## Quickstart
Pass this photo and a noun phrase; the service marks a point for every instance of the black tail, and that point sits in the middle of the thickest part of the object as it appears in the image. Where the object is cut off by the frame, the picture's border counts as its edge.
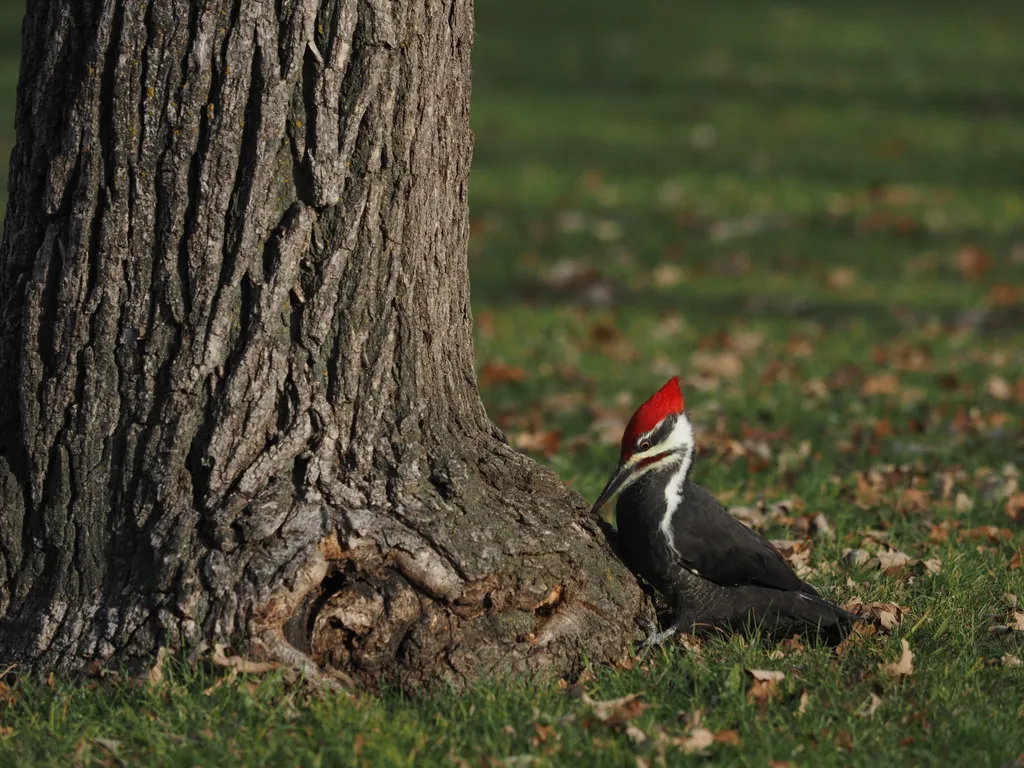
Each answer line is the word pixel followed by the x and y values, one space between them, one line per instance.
pixel 819 617
pixel 806 613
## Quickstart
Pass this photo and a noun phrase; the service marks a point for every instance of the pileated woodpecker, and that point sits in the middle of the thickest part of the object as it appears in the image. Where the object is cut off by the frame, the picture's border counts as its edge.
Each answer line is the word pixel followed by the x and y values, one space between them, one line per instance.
pixel 714 572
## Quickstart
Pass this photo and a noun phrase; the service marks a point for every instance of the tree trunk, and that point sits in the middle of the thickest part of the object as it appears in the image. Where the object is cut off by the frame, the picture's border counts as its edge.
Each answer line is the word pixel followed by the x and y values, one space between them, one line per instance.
pixel 237 394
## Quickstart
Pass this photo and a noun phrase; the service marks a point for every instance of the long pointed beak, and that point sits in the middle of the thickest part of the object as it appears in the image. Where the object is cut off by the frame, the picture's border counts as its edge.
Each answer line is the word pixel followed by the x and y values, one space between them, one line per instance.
pixel 614 484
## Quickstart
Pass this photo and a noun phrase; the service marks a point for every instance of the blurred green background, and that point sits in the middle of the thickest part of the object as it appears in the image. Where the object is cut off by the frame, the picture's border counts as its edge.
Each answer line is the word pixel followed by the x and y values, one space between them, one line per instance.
pixel 11 12
pixel 813 213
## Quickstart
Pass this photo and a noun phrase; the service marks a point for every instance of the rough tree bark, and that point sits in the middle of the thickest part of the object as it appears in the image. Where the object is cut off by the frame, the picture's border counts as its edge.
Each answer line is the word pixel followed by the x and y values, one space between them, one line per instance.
pixel 237 394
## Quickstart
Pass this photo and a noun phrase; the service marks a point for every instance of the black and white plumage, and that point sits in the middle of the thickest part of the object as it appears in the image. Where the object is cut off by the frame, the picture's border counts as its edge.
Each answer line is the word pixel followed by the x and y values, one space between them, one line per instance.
pixel 714 572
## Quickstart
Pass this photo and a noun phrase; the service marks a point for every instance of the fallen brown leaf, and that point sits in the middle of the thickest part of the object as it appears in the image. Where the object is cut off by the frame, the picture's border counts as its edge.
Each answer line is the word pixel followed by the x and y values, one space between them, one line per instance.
pixel 725 365
pixel 1004 295
pixel 728 737
pixel 913 500
pixel 972 262
pixel 765 684
pixel 856 557
pixel 542 732
pixel 881 384
pixel 902 668
pixel 992 533
pixel 545 442
pixel 764 675
pixel 668 275
pixel 844 740
pixel 155 674
pixel 1015 507
pixel 963 503
pixel 112 748
pixel 696 740
pixel 636 735
pixel 795 551
pixel 999 388
pixel 615 711
pixel 870 707
pixel 497 372
pixel 804 700
pixel 841 278
pixel 892 560
pixel 884 616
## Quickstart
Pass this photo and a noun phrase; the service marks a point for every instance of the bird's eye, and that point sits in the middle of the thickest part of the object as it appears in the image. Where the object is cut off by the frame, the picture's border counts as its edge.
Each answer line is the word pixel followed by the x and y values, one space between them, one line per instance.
pixel 644 445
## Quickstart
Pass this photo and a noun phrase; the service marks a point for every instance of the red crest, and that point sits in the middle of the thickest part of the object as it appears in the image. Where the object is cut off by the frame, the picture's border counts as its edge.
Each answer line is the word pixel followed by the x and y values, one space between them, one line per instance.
pixel 666 401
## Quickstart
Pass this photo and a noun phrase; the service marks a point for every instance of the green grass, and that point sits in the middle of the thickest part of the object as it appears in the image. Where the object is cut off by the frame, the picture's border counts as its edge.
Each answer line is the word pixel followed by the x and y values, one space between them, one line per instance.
pixel 711 166
pixel 10 37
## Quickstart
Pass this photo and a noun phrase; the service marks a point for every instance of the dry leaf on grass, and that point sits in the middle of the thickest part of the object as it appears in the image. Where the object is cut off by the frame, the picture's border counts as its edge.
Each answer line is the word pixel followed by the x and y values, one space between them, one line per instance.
pixel 1012 620
pixel 841 278
pixel 766 675
pixel 615 711
pixel 497 372
pixel 723 365
pixel 546 442
pixel 696 740
pixel 804 701
pixel 999 388
pixel 913 501
pixel 668 275
pixel 902 668
pixel 728 737
pixel 884 616
pixel 856 557
pixel 992 533
pixel 155 674
pixel 972 262
pixel 1015 507
pixel 112 748
pixel 892 560
pixel 881 384
pixel 636 735
pixel 795 551
pixel 870 706
pixel 765 684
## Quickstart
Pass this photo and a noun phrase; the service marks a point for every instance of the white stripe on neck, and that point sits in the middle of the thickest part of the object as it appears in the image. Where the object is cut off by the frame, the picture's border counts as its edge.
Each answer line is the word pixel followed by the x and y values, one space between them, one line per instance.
pixel 681 438
pixel 674 498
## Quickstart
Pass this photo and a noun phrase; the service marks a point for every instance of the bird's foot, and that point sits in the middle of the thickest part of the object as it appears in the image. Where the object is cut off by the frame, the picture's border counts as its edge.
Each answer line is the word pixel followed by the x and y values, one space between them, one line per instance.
pixel 654 637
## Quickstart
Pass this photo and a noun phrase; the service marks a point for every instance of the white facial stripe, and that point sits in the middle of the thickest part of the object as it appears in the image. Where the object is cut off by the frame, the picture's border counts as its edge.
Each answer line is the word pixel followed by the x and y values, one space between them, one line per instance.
pixel 680 442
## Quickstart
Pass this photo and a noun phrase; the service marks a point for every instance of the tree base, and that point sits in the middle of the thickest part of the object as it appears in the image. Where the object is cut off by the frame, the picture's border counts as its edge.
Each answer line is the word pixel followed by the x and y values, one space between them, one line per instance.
pixel 498 574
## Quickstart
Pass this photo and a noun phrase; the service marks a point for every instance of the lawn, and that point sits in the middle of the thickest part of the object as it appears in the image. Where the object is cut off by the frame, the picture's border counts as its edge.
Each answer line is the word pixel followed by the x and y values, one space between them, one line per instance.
pixel 812 213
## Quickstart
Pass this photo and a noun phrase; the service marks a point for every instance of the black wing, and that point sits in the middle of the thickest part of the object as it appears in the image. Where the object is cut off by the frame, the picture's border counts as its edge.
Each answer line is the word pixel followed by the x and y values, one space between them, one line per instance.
pixel 723 550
